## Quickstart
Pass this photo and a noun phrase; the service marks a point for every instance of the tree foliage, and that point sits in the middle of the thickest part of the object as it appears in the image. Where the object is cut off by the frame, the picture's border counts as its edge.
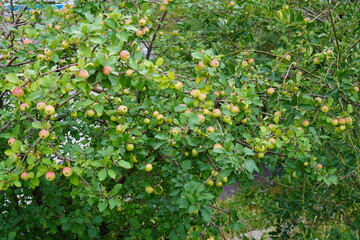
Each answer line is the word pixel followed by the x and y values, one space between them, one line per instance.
pixel 223 91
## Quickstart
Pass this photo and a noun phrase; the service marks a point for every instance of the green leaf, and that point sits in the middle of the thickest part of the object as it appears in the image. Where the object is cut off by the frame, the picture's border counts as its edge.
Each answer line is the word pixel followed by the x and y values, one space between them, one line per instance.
pixel 74 179
pixel 12 77
pixel 102 206
pixel 250 166
pixel 112 174
pixel 124 164
pixel 159 62
pixel 102 174
pixel 11 236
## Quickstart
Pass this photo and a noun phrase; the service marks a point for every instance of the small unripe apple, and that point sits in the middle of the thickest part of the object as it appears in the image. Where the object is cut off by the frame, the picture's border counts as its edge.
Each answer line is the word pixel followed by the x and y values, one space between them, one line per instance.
pixel 142 22
pixel 134 159
pixel 162 8
pixel 126 91
pixel 18 92
pixel 306 164
pixel 49 110
pixel 319 166
pixel 67 171
pixel 194 152
pixel 209 182
pixel 175 131
pixel 107 70
pixel 251 60
pixel 318 100
pixel 195 92
pixel 316 60
pixel 287 57
pixel 342 127
pixel 146 30
pixel 24 106
pixel 232 3
pixel 356 89
pixel 277 114
pixel 11 141
pixel 50 176
pixel 148 167
pixel 24 176
pixel 224 179
pixel 244 63
pixel 129 147
pixel 325 109
pixel 65 44
pixel 214 63
pixel 124 55
pixel 219 184
pixel 305 123
pixel 48 52
pixel 147 121
pixel 83 74
pixel 122 110
pixel 227 119
pixel 175 33
pixel 74 114
pixel 202 96
pixel 210 129
pixel 216 113
pixel 155 114
pixel 260 155
pixel 201 64
pixel 270 91
pixel 149 190
pixel 334 122
pixel 44 134
pixel 307 19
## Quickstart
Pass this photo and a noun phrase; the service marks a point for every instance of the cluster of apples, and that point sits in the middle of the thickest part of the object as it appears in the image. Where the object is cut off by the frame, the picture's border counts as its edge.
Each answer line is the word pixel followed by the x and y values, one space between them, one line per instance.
pixel 50 175
pixel 219 181
pixel 340 123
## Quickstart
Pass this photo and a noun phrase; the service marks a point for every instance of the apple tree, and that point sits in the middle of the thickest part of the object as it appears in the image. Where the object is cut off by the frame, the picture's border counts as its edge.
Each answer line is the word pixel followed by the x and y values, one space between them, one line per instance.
pixel 125 119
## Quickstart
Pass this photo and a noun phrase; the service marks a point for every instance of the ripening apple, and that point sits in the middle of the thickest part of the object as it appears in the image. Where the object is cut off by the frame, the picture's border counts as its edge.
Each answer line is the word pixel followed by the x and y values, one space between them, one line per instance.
pixel 160 119
pixel 325 109
pixel 356 89
pixel 305 123
pixel 67 171
pixel 202 96
pixel 307 19
pixel 206 111
pixel 178 85
pixel 348 120
pixel 11 141
pixel 124 55
pixel 342 121
pixel 251 60
pixel 195 93
pixel 122 110
pixel 43 134
pixel 40 106
pixel 120 129
pixel 126 91
pixel 214 63
pixel 277 114
pixel 209 182
pixel 142 22
pixel 27 41
pixel 175 33
pixel 232 3
pixel 334 122
pixel 49 110
pixel 244 63
pixel 201 118
pixel 210 129
pixel 227 119
pixel 318 100
pixel 24 106
pixel 287 57
pixel 216 113
pixel 139 33
pixel 155 114
pixel 50 175
pixel 319 166
pixel 148 167
pixel 235 109
pixel 146 30
pixel 218 145
pixel 90 113
pixel 48 52
pixel 24 176
pixel 149 190
pixel 18 92
pixel 83 74
pixel 201 64
pixel 129 147
pixel 270 91
pixel 306 164
pixel 316 60
pixel 175 131
pixel 107 70
pixel 129 72
pixel 162 8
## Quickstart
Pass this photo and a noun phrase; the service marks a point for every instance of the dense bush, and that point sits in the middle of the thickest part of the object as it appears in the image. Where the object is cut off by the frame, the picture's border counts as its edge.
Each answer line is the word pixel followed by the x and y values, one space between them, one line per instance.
pixel 100 140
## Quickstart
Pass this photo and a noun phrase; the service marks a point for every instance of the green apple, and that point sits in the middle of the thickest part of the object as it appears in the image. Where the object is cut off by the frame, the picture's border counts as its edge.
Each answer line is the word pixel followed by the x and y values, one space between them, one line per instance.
pixel 148 167
pixel 129 147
